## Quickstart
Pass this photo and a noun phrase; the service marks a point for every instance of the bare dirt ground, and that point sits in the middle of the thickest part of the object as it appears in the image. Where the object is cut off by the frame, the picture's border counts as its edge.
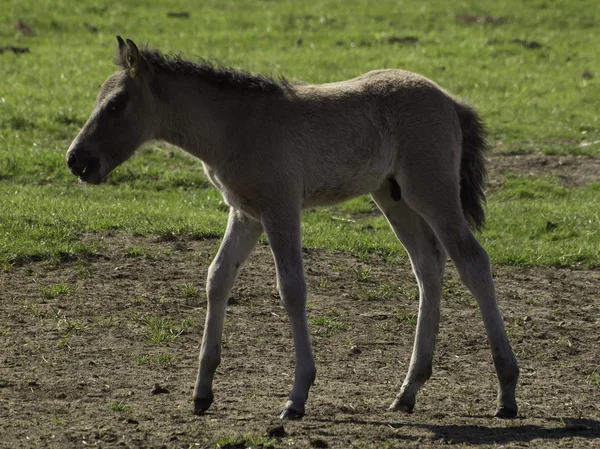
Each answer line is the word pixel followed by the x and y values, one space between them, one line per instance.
pixel 78 369
pixel 571 171
pixel 66 361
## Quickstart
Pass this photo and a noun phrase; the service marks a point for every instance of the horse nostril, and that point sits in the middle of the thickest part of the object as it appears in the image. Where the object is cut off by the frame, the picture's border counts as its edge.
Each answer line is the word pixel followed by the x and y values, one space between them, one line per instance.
pixel 71 159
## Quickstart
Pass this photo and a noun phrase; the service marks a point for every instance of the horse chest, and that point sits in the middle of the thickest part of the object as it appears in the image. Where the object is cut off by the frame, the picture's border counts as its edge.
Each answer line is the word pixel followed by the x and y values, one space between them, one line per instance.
pixel 232 194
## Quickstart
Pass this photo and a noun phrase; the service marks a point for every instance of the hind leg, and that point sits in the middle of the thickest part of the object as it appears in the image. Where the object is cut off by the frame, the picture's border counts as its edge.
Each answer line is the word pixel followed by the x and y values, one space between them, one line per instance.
pixel 439 203
pixel 428 260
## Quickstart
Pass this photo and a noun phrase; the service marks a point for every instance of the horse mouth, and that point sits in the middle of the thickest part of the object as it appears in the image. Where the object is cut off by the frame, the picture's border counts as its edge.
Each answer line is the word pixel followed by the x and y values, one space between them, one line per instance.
pixel 92 173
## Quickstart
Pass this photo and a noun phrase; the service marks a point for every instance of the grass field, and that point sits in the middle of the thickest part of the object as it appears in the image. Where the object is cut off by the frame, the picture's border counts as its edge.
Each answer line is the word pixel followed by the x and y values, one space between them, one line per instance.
pixel 534 99
pixel 532 69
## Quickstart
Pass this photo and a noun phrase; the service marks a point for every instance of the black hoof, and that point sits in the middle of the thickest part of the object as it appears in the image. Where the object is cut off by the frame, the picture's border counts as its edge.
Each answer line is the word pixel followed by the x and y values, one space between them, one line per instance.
pixel 505 412
pixel 201 405
pixel 291 414
pixel 399 406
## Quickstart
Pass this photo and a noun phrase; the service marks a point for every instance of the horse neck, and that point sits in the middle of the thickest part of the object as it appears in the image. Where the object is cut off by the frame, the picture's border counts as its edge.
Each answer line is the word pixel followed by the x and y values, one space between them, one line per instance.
pixel 197 116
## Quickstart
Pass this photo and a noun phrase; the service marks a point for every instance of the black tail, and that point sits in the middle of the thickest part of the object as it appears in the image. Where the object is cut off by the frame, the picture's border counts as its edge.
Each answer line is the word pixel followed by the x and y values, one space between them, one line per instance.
pixel 473 174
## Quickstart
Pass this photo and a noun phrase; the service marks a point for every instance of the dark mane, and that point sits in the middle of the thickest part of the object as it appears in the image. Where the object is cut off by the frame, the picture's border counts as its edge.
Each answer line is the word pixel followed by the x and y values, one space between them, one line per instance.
pixel 212 72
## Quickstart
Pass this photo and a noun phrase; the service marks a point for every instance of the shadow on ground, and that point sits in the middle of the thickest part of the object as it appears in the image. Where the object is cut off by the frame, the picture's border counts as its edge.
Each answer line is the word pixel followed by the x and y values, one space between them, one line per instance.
pixel 556 429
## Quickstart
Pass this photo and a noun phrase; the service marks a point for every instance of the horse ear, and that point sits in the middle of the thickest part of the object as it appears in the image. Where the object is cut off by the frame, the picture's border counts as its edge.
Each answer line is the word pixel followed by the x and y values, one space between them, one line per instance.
pixel 122 45
pixel 133 60
pixel 121 57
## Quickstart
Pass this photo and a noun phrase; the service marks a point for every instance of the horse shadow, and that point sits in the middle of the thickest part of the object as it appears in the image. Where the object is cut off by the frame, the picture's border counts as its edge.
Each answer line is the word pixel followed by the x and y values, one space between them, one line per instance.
pixel 485 435
pixel 481 434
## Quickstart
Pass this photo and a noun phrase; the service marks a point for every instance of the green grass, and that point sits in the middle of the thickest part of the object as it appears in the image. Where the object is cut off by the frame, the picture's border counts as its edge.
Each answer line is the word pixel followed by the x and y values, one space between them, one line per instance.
pixel 54 290
pixel 154 360
pixel 136 251
pixel 363 275
pixel 119 407
pixel 382 292
pixel 327 325
pixel 530 222
pixel 533 99
pixel 538 222
pixel 34 309
pixel 527 101
pixel 406 317
pixel 71 326
pixel 189 290
pixel 57 421
pixel 165 330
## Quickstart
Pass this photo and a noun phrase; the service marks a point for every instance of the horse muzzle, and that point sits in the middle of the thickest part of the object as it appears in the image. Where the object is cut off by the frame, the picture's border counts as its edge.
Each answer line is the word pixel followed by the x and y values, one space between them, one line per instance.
pixel 83 164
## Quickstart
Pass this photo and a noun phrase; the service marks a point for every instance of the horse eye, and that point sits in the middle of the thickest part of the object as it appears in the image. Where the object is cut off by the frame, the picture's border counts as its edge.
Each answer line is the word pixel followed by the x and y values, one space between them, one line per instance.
pixel 115 106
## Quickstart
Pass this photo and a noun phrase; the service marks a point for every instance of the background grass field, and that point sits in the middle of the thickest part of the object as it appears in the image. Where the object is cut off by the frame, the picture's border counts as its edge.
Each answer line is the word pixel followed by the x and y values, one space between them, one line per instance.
pixel 532 69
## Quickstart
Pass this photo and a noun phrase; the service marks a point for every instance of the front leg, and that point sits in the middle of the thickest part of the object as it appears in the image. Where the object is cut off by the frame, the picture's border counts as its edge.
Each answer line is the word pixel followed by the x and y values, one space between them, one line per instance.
pixel 240 239
pixel 283 230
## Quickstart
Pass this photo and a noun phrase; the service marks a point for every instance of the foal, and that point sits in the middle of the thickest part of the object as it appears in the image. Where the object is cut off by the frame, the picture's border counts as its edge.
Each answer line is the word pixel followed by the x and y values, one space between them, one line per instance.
pixel 273 148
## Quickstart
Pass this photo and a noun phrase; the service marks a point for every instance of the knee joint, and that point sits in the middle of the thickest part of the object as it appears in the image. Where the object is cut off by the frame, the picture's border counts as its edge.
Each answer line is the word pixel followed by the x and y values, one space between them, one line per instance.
pixel 217 283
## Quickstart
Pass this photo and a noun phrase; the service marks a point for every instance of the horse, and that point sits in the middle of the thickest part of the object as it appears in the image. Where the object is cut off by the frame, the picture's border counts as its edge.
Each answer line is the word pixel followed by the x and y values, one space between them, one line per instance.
pixel 273 147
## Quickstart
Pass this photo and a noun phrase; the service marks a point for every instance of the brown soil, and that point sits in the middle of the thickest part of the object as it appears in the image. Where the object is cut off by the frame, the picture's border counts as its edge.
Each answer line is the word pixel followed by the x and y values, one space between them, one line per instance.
pixel 571 171
pixel 66 359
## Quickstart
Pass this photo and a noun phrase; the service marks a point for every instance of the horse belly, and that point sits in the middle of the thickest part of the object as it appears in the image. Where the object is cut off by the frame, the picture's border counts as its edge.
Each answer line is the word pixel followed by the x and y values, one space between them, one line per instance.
pixel 359 172
pixel 337 189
